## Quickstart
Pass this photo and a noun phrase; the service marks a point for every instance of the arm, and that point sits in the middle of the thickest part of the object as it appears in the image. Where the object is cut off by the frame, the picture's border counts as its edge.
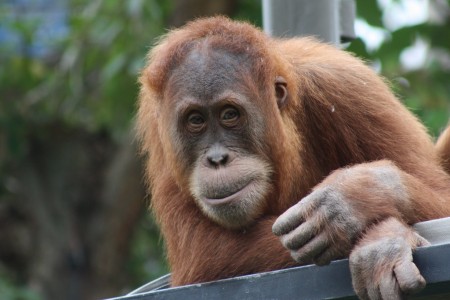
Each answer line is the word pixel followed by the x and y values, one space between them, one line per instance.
pixel 327 223
pixel 443 149
pixel 368 205
pixel 350 117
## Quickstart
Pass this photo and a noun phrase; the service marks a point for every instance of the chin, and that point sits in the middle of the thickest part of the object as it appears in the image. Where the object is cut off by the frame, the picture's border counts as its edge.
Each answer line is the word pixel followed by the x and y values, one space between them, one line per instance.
pixel 233 196
pixel 238 209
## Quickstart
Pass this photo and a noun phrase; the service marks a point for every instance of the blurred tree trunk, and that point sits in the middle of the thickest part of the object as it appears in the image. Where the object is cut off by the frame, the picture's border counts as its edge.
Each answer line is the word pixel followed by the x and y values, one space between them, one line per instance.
pixel 77 199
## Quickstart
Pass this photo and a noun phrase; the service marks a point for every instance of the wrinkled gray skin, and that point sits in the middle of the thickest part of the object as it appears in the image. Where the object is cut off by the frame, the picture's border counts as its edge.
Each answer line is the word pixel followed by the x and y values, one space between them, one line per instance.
pixel 382 268
pixel 326 225
pixel 310 228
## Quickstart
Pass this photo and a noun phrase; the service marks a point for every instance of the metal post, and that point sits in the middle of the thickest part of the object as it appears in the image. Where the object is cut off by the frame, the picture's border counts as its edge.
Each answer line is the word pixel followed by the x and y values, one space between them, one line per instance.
pixel 329 20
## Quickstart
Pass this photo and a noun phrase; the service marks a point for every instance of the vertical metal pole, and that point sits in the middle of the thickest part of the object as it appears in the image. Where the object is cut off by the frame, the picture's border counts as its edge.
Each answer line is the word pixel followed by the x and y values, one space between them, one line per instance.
pixel 328 20
pixel 347 16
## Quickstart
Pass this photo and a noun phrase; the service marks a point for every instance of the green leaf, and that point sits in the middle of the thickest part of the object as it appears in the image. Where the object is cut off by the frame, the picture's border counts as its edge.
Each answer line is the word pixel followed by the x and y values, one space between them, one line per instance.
pixel 370 11
pixel 358 47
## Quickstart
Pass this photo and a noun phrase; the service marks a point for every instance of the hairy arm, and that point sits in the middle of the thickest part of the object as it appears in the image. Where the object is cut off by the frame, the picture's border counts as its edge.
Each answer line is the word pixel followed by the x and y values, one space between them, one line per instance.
pixel 328 222
pixel 367 205
pixel 351 118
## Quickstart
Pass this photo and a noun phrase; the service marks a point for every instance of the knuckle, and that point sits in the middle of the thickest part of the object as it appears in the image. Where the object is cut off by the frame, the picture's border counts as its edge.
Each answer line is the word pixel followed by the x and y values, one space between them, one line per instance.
pixel 358 256
pixel 298 256
pixel 316 199
pixel 355 258
pixel 322 261
pixel 288 242
pixel 292 240
pixel 301 257
pixel 413 286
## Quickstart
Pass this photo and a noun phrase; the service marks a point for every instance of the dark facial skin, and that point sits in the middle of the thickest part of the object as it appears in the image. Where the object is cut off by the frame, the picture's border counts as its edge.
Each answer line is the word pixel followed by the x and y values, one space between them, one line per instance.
pixel 220 133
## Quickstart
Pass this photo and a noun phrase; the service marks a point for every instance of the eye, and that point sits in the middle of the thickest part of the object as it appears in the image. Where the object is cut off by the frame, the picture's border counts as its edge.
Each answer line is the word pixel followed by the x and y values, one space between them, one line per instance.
pixel 229 116
pixel 195 122
pixel 196 119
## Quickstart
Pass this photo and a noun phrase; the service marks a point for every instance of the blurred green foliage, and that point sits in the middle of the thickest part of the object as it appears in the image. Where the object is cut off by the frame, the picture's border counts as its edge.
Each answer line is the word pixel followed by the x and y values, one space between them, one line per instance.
pixel 86 80
pixel 10 290
pixel 145 262
pixel 89 78
pixel 426 91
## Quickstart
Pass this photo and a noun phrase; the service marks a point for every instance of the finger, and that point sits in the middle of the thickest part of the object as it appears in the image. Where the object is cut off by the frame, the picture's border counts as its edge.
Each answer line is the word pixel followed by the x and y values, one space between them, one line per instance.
pixel 298 237
pixel 359 275
pixel 359 286
pixel 389 288
pixel 289 220
pixel 327 256
pixel 373 291
pixel 408 277
pixel 316 246
pixel 421 242
pixel 294 216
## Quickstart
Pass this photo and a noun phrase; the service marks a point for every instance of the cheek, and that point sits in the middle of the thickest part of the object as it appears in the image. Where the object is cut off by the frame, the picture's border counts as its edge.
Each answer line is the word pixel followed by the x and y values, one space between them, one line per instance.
pixel 183 149
pixel 261 132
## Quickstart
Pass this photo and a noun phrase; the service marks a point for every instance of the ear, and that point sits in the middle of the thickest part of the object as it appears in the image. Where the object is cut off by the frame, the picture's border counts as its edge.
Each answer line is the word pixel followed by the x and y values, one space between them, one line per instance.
pixel 281 91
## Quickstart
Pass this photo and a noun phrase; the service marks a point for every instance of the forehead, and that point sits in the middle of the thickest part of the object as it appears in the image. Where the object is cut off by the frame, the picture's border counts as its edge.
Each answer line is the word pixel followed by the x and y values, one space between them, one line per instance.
pixel 207 72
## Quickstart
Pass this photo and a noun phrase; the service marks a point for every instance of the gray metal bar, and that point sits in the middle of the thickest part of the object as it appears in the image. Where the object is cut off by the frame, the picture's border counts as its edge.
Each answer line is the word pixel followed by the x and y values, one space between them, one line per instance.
pixel 313 282
pixel 162 282
pixel 435 231
pixel 329 20
pixel 308 282
pixel 347 16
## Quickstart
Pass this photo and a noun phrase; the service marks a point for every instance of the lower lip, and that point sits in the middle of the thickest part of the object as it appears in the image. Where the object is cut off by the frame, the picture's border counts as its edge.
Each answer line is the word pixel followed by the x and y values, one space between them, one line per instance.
pixel 228 199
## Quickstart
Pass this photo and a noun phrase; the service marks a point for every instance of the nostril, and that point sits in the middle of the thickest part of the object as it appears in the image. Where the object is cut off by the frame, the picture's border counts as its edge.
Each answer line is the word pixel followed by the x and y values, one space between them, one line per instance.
pixel 218 159
pixel 217 156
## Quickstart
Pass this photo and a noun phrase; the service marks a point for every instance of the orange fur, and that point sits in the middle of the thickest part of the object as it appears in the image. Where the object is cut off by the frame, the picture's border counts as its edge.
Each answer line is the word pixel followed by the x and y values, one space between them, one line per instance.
pixel 339 113
pixel 443 149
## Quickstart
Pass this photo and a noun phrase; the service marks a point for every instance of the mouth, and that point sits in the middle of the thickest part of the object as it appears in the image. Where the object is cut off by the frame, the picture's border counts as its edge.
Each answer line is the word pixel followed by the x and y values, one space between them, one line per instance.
pixel 235 196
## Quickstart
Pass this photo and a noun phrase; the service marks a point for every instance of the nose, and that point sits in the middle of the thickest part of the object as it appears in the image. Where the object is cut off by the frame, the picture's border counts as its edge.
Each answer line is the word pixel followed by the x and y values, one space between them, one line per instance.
pixel 217 156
